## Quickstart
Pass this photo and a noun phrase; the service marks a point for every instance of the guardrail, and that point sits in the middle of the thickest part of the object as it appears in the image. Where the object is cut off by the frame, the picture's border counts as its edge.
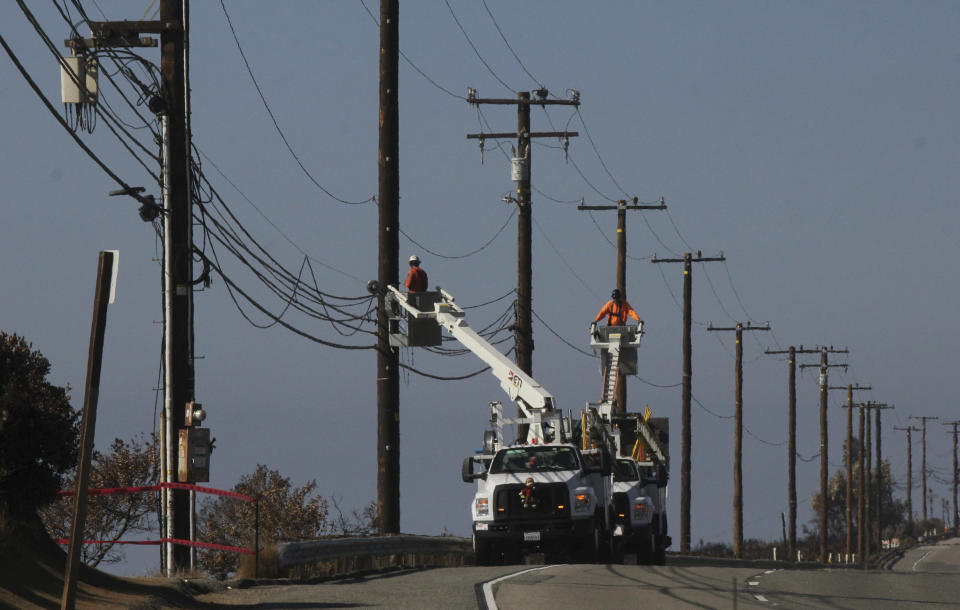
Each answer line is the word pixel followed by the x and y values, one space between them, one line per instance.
pixel 312 551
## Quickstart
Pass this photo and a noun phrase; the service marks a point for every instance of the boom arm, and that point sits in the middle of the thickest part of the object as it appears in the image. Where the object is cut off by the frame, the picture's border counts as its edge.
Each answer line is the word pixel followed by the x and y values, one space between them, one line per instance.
pixel 531 397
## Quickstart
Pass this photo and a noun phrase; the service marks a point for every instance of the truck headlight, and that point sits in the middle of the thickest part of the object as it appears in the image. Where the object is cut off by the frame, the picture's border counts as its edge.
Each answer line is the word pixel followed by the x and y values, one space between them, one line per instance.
pixel 482 507
pixel 639 510
pixel 581 503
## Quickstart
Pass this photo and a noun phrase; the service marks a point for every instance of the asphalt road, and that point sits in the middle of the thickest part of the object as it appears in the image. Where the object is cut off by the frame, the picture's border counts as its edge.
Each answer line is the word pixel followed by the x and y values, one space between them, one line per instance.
pixel 926 577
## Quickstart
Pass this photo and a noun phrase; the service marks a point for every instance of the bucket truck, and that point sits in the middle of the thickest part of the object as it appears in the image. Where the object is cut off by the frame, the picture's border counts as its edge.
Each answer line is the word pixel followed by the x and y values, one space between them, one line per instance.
pixel 546 492
pixel 640 473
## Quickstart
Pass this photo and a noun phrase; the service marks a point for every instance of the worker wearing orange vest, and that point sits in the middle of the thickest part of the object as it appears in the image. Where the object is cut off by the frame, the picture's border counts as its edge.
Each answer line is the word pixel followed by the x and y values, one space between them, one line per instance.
pixel 616 310
pixel 416 278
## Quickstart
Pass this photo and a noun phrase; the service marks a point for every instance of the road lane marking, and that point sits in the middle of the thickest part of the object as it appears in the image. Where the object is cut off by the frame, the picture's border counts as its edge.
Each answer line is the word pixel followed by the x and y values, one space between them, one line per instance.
pixel 488 586
pixel 914 568
pixel 761 598
pixel 753 583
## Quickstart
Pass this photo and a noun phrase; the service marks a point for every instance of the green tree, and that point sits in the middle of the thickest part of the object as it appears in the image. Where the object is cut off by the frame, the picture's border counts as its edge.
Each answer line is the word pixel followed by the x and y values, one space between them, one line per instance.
pixel 38 430
pixel 893 510
pixel 286 513
pixel 111 517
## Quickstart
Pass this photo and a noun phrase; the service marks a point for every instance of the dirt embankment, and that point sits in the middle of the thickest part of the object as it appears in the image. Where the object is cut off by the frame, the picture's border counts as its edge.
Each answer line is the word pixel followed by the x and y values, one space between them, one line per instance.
pixel 32 568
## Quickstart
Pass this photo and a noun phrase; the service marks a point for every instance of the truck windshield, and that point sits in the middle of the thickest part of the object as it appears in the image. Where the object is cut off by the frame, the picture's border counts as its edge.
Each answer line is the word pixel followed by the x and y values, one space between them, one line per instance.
pixel 535 459
pixel 625 472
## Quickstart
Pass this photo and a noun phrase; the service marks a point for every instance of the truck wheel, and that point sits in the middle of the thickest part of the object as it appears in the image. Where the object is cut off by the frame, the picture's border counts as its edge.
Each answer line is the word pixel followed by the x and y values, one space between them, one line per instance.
pixel 645 549
pixel 590 549
pixel 660 543
pixel 483 550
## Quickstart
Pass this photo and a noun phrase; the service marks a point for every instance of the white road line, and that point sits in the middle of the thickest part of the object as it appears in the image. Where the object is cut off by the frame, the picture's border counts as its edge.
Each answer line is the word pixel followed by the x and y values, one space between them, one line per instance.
pixel 753 583
pixel 914 568
pixel 761 598
pixel 488 586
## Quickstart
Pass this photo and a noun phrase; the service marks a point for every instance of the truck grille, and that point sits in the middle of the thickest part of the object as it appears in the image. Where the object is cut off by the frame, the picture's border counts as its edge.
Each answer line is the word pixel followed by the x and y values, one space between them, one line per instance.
pixel 621 506
pixel 550 498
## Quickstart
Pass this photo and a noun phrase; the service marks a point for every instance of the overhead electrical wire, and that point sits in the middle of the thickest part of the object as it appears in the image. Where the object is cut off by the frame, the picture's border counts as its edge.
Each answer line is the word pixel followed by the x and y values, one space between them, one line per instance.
pixel 470 253
pixel 475 50
pixel 276 124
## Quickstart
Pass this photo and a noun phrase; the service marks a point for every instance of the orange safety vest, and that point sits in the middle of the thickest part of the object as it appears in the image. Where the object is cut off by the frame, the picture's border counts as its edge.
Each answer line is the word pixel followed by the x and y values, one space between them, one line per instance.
pixel 416 280
pixel 617 313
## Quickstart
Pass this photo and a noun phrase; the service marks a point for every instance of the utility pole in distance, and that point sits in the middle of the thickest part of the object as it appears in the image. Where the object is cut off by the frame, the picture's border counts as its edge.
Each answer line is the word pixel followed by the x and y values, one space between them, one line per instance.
pixel 879 503
pixel 685 381
pixel 824 367
pixel 909 469
pixel 956 515
pixel 388 199
pixel 523 334
pixel 923 458
pixel 792 441
pixel 621 208
pixel 861 495
pixel 738 436
pixel 848 508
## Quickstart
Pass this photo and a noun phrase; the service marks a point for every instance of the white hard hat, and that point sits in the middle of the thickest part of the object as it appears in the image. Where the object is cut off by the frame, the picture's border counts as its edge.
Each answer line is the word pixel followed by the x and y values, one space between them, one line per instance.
pixel 414 259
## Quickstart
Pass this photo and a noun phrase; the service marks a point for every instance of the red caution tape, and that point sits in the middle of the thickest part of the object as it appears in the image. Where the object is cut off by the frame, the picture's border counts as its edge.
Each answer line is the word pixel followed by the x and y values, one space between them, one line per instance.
pixel 202 545
pixel 106 491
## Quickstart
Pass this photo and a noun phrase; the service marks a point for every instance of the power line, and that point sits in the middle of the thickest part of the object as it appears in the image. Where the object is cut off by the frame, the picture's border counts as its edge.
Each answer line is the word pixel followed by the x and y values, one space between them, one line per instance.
pixel 506 42
pixel 468 254
pixel 475 50
pixel 274 118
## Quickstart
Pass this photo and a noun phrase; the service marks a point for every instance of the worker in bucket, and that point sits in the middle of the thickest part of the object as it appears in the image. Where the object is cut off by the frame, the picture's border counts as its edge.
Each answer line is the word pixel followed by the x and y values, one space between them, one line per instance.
pixel 416 278
pixel 617 309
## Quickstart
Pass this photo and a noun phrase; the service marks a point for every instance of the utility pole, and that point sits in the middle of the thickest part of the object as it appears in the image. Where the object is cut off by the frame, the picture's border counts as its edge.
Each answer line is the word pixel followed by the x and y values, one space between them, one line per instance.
pixel 686 380
pixel 879 484
pixel 824 464
pixel 792 441
pixel 848 507
pixel 956 515
pixel 923 458
pixel 172 104
pixel 738 435
pixel 621 208
pixel 908 429
pixel 868 490
pixel 388 198
pixel 861 496
pixel 523 333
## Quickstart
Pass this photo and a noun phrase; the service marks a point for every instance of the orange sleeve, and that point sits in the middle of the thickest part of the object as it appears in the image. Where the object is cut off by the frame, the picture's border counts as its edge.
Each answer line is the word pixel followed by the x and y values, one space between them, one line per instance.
pixel 604 311
pixel 632 313
pixel 407 281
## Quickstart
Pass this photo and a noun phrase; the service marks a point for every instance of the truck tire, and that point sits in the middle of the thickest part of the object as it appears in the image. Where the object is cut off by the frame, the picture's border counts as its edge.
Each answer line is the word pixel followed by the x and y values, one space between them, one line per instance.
pixel 660 546
pixel 483 550
pixel 590 547
pixel 646 547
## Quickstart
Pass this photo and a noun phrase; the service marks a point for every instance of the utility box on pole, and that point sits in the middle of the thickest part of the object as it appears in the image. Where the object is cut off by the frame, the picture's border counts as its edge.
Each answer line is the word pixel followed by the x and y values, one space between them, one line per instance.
pixel 194 462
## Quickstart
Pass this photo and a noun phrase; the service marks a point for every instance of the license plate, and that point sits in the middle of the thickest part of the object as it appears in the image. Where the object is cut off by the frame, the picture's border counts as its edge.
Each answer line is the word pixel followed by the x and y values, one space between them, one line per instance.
pixel 531 536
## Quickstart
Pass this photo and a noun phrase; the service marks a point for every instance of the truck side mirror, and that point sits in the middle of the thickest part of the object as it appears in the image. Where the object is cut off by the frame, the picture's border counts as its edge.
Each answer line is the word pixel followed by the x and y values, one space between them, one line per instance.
pixel 467 473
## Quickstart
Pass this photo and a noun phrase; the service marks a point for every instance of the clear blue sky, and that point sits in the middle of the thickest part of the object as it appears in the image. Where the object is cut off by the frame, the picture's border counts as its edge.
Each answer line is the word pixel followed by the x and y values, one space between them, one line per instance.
pixel 816 144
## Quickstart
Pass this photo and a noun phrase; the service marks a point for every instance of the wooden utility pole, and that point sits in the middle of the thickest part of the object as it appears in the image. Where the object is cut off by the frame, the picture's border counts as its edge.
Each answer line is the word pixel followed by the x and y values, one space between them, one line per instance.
pixel 622 206
pixel 792 440
pixel 824 367
pixel 686 382
pixel 847 506
pixel 878 504
pixel 738 435
pixel 861 492
pixel 923 458
pixel 956 515
pixel 388 198
pixel 178 264
pixel 908 429
pixel 523 332
pixel 91 395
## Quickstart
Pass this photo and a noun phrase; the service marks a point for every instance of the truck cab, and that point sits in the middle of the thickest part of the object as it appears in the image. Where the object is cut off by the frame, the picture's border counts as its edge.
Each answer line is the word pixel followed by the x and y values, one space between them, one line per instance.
pixel 551 498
